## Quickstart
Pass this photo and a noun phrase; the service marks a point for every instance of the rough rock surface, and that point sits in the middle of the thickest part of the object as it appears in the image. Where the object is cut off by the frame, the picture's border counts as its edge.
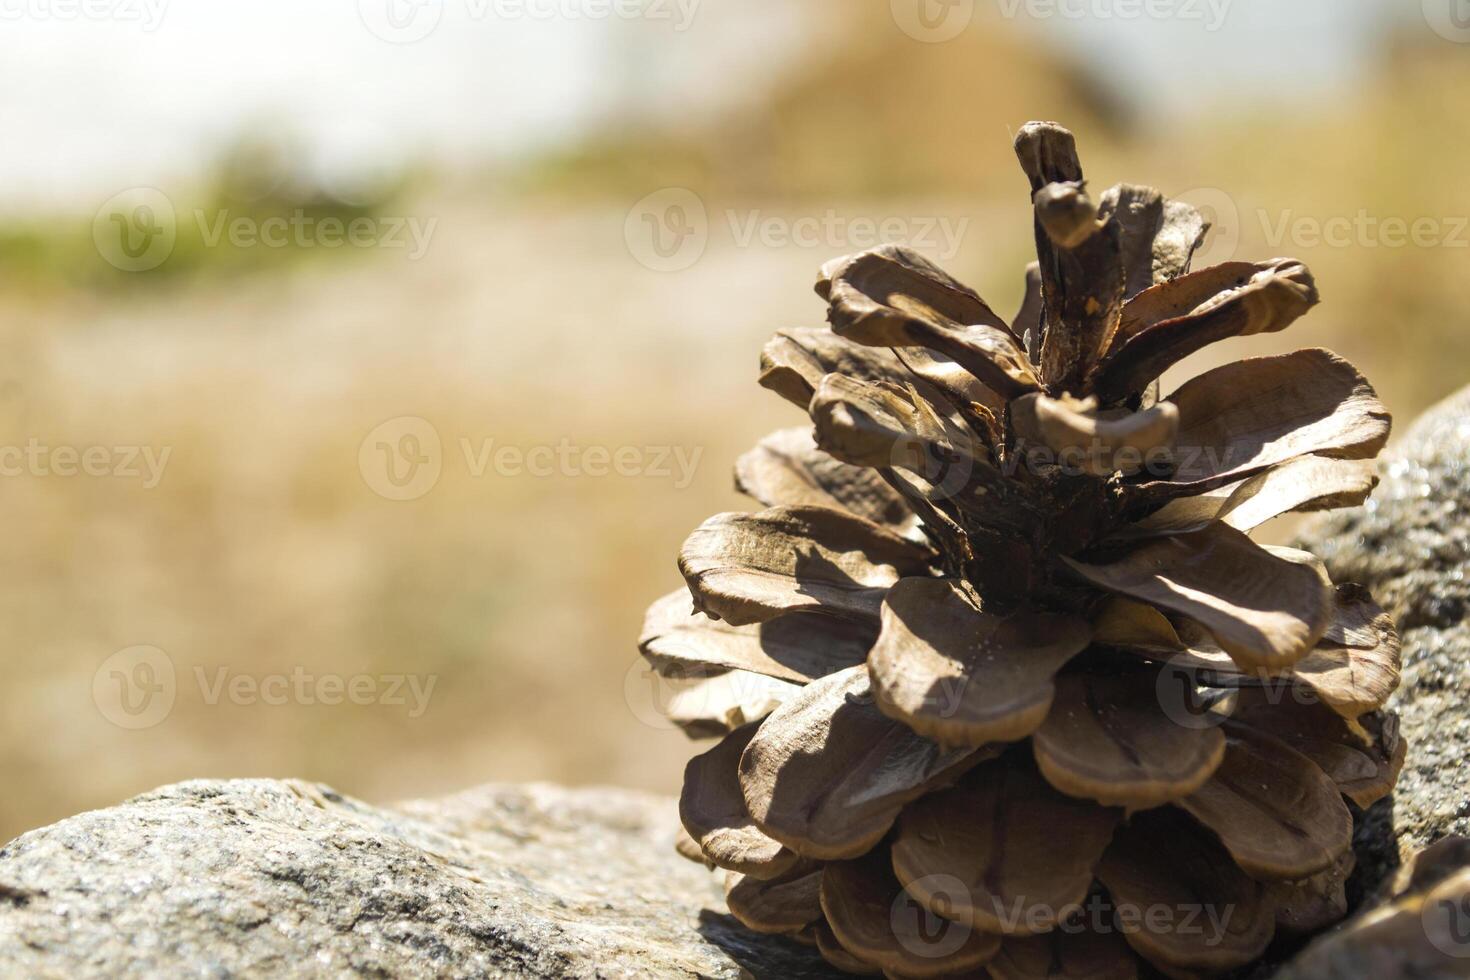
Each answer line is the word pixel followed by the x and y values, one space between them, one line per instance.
pixel 1411 544
pixel 284 878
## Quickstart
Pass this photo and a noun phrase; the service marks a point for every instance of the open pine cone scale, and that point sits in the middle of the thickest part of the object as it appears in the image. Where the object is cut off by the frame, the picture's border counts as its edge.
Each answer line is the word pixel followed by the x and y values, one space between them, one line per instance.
pixel 998 670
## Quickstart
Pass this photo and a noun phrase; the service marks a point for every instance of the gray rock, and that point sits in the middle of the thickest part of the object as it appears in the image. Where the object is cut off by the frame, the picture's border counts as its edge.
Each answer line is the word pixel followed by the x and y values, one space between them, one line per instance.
pixel 284 878
pixel 1411 545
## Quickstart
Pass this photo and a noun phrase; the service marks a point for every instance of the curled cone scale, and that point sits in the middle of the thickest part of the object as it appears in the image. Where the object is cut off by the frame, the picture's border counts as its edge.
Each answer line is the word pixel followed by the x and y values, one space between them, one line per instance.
pixel 1002 682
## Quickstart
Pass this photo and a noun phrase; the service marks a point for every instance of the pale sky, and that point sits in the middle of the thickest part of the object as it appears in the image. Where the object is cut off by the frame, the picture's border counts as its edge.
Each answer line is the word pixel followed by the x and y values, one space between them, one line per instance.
pixel 1261 47
pixel 101 94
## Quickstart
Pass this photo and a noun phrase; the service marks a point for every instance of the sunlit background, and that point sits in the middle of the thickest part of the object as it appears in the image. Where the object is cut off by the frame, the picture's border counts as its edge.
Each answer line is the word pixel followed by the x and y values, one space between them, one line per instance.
pixel 365 364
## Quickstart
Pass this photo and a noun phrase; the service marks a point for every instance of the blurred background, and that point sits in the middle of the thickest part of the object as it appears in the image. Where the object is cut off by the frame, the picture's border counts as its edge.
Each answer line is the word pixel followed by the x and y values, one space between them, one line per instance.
pixel 365 363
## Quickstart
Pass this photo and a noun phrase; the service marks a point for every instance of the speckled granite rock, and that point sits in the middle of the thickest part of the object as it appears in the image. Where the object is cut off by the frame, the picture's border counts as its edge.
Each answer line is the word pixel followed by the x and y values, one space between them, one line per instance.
pixel 1411 545
pixel 283 878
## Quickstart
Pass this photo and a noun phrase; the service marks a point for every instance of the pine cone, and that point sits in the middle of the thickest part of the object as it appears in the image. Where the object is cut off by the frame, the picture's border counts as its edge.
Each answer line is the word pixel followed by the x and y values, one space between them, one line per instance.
pixel 1003 683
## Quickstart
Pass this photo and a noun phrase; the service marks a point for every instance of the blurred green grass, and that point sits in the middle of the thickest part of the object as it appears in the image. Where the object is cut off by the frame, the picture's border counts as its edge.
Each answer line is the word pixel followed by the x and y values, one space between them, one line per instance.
pixel 252 184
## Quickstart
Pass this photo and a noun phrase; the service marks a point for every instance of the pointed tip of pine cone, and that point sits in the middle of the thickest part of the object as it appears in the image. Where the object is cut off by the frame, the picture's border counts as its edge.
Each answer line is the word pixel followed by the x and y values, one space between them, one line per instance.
pixel 1038 128
pixel 1048 154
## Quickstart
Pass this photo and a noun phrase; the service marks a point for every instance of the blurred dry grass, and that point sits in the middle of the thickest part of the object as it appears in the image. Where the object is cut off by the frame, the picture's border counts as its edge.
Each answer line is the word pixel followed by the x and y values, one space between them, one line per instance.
pixel 263 549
